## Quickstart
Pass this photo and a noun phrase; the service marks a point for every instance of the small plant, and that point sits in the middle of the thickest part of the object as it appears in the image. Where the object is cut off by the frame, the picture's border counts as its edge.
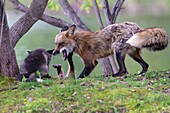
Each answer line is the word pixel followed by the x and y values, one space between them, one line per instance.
pixel 23 79
pixel 38 74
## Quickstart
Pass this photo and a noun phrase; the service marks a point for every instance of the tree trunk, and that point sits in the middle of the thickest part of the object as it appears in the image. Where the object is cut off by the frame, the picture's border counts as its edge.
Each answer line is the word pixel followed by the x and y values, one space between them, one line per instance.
pixel 8 62
pixel 10 37
pixel 106 64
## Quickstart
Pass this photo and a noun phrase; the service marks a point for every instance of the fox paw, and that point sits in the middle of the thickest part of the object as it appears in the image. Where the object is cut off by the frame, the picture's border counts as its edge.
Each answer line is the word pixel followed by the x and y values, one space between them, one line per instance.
pixel 57 66
pixel 59 69
pixel 106 75
pixel 119 74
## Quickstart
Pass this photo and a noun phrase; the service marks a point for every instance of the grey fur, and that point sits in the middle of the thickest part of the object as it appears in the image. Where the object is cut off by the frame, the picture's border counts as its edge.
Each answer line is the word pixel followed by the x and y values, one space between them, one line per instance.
pixel 37 60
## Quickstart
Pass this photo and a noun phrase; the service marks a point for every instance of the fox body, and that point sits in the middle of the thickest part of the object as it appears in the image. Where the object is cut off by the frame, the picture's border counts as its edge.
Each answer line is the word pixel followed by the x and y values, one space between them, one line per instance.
pixel 37 60
pixel 123 38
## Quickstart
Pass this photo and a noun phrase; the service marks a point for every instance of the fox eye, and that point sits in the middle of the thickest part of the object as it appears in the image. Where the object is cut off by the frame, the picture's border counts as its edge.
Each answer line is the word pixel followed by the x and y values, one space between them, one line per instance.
pixel 61 43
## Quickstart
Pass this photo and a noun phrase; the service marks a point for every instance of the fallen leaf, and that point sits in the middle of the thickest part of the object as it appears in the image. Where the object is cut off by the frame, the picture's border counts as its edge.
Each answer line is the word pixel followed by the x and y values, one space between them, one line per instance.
pixel 74 93
pixel 82 84
pixel 99 101
pixel 133 90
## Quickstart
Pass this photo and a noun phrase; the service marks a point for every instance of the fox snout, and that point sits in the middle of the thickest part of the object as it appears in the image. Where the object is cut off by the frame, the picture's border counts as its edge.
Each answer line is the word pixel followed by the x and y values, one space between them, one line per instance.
pixel 55 52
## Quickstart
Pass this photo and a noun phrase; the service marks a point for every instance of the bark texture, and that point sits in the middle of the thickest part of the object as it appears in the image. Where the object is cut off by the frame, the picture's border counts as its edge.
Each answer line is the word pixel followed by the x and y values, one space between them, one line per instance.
pixel 32 15
pixel 10 37
pixel 8 63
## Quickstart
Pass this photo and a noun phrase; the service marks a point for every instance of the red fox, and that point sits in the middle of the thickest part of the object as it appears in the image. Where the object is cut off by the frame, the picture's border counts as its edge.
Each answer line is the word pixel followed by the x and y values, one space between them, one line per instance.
pixel 123 38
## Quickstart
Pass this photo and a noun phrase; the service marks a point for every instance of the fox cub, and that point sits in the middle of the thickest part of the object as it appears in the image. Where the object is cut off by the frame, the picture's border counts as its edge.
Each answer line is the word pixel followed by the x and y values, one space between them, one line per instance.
pixel 37 60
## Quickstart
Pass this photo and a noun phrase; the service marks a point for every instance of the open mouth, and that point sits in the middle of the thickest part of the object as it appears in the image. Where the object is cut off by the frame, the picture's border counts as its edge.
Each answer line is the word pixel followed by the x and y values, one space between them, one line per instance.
pixel 64 54
pixel 55 52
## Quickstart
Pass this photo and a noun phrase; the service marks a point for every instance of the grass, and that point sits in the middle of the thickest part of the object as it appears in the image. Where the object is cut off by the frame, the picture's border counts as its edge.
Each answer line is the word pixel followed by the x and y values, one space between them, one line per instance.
pixel 131 94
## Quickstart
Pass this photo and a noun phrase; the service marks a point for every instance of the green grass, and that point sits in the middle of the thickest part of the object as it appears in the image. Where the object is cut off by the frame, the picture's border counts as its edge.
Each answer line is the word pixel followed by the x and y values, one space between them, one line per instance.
pixel 149 93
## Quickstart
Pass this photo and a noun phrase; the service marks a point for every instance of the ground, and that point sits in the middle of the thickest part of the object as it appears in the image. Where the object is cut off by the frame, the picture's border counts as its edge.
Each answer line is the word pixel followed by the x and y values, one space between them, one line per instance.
pixel 149 93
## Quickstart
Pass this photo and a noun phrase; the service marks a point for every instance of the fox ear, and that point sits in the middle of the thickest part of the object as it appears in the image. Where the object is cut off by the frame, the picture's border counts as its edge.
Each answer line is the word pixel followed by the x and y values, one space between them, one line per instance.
pixel 29 52
pixel 70 31
pixel 65 28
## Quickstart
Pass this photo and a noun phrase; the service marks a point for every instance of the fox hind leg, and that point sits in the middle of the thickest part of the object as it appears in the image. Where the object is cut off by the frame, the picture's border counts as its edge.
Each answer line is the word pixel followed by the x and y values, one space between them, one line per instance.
pixel 120 57
pixel 137 57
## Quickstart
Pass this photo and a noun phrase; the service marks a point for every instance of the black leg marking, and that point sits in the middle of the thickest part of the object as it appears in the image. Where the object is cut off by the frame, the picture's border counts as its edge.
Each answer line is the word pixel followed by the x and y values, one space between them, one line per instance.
pixel 58 68
pixel 88 69
pixel 136 56
pixel 44 76
pixel 120 56
pixel 70 61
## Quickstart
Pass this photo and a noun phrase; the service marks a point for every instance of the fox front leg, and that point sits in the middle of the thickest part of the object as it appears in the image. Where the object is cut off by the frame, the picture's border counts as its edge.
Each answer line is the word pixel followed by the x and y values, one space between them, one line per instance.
pixel 71 70
pixel 88 69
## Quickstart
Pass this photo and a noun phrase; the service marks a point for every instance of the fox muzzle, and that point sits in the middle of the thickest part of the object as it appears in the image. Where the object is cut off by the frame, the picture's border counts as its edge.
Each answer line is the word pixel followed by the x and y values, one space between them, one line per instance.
pixel 55 52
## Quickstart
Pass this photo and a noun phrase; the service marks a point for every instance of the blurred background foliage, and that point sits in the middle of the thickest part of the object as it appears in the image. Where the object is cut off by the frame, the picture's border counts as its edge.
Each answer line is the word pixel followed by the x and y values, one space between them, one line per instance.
pixel 146 13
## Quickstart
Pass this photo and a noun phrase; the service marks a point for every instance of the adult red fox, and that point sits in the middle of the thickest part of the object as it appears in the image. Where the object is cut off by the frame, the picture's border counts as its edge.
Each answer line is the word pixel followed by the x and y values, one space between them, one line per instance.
pixel 126 37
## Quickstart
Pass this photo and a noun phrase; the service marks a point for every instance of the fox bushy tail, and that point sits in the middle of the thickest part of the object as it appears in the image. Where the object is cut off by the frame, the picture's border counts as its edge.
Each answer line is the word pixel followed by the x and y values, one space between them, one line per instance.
pixel 151 38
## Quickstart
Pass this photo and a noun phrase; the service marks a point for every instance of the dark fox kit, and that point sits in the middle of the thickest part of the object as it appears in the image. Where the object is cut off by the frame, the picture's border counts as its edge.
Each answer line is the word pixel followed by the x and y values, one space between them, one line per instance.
pixel 37 60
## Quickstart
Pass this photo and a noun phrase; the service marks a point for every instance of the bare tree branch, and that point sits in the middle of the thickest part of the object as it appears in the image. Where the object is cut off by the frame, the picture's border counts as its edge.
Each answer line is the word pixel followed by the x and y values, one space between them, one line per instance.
pixel 19 6
pixel 71 14
pixel 48 19
pixel 54 21
pixel 115 10
pixel 97 12
pixel 32 15
pixel 106 11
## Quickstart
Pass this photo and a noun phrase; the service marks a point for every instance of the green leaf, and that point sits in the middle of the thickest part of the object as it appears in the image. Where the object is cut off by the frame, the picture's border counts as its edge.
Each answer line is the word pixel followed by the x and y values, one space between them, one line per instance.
pixel 53 5
pixel 23 79
pixel 38 73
